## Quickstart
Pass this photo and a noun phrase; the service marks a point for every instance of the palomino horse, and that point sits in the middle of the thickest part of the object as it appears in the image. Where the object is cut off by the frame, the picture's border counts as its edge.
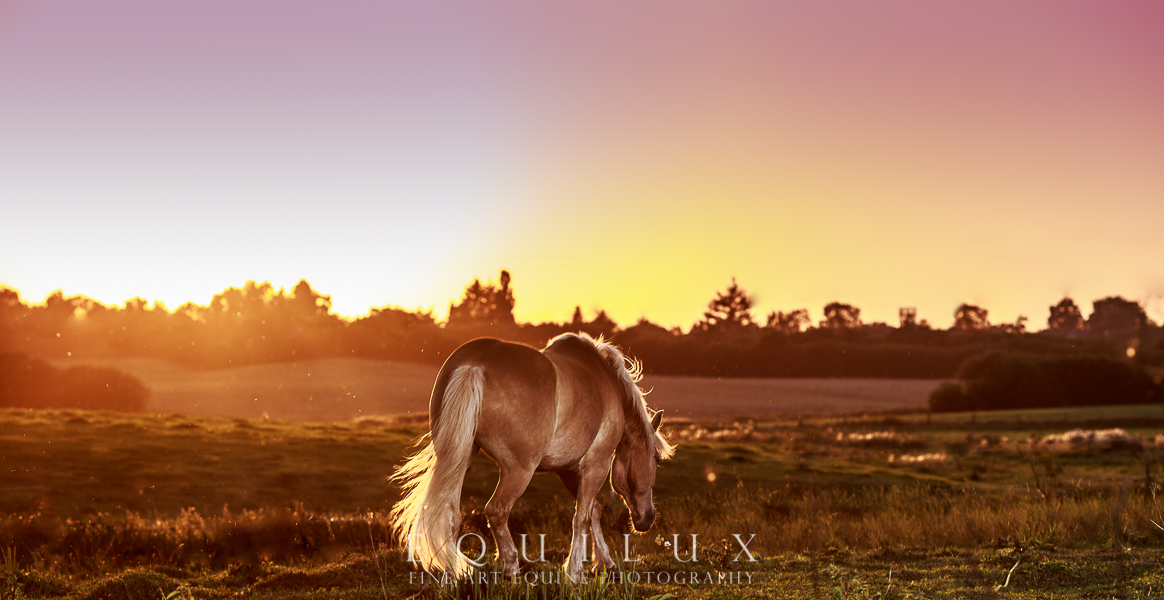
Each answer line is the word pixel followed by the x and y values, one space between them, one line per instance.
pixel 567 409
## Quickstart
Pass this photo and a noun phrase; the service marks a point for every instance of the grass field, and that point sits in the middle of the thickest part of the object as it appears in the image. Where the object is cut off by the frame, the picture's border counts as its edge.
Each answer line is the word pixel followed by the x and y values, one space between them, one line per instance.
pixel 102 505
pixel 346 388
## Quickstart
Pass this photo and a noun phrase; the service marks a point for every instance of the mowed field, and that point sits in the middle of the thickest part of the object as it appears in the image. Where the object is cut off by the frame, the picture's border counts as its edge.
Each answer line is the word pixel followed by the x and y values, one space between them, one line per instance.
pixel 341 389
pixel 315 390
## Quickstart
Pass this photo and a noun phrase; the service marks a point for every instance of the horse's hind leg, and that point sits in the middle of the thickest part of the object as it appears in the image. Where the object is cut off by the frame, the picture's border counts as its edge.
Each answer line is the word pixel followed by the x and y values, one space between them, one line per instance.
pixel 510 486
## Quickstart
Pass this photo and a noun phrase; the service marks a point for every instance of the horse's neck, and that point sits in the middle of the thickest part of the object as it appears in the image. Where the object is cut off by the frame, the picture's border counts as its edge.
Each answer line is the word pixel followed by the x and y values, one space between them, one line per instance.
pixel 633 433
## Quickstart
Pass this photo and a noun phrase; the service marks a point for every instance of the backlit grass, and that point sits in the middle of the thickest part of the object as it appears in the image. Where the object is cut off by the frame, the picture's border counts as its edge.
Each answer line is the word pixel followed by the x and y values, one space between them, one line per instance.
pixel 107 505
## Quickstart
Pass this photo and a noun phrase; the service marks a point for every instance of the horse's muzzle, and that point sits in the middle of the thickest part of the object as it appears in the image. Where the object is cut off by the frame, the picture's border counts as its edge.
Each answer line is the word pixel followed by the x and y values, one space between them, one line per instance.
pixel 644 522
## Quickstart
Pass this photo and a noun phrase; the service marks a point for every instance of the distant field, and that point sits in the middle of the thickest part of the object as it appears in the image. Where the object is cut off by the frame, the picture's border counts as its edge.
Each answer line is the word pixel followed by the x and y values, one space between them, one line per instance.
pixel 315 390
pixel 345 388
pixel 698 397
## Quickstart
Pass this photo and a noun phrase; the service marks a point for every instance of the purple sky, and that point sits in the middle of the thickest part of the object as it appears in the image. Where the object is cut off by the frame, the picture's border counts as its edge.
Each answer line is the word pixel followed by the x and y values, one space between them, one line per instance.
pixel 625 157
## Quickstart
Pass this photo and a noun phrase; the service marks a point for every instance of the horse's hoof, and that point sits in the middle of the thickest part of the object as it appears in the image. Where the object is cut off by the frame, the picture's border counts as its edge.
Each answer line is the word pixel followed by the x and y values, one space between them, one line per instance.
pixel 609 572
pixel 513 572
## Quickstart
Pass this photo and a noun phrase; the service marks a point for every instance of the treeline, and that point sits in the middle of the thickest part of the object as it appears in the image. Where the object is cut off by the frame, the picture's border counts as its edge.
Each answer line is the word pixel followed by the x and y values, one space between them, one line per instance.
pixel 258 323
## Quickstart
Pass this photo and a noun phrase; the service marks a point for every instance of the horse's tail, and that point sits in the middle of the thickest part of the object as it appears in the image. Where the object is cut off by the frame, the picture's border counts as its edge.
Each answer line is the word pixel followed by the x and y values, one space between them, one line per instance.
pixel 427 519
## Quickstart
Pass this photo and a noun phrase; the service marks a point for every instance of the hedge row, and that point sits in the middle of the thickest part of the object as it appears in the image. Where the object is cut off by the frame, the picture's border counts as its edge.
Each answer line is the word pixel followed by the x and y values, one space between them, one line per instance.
pixel 1000 380
pixel 33 383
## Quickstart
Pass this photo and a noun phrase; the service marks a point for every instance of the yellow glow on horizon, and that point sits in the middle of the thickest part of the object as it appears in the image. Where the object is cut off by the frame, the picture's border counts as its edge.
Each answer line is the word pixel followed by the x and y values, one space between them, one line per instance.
pixel 645 236
pixel 653 226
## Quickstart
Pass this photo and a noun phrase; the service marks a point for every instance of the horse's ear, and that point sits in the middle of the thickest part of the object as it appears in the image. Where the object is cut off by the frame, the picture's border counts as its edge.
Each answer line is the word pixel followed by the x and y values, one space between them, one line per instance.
pixel 657 420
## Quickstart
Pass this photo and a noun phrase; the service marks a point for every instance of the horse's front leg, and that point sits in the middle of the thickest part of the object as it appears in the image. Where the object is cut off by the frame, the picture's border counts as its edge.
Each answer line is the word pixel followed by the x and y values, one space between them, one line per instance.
pixel 601 552
pixel 588 488
pixel 510 486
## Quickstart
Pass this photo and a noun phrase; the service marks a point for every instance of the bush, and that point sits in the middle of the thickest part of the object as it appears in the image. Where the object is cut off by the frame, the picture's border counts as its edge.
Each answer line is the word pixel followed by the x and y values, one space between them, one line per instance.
pixel 949 398
pixel 34 383
pixel 1000 380
pixel 1087 380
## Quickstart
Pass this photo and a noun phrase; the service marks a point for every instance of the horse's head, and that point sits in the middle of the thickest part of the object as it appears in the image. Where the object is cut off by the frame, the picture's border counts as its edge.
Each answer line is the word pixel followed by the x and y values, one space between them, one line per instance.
pixel 632 475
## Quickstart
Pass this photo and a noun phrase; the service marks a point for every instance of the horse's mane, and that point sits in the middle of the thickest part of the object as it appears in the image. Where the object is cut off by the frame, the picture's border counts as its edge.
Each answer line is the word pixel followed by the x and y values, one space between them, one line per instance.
pixel 628 371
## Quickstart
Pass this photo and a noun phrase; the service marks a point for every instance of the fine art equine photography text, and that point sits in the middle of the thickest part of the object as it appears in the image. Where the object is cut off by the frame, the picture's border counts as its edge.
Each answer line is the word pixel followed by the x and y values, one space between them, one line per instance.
pixel 520 300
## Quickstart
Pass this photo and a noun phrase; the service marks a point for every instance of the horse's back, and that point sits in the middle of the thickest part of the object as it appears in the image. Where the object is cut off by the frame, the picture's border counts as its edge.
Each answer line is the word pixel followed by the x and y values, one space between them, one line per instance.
pixel 589 400
pixel 517 413
pixel 589 377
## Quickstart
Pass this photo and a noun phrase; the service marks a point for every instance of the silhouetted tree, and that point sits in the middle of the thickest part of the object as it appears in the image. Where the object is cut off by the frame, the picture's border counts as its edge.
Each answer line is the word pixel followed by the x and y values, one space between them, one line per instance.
pixel 729 310
pixel 789 322
pixel 9 298
pixel 909 323
pixel 11 312
pixel 398 334
pixel 1019 326
pixel 968 317
pixel 600 325
pixel 484 305
pixel 1114 315
pixel 838 315
pixel 1065 317
pixel 307 302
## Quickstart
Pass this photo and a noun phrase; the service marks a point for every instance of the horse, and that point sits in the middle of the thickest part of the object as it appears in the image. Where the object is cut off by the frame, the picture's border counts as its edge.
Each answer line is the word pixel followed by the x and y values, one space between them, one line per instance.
pixel 573 408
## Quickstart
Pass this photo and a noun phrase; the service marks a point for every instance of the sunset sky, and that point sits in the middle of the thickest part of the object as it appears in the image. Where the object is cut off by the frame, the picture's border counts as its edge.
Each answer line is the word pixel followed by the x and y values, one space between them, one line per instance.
pixel 628 156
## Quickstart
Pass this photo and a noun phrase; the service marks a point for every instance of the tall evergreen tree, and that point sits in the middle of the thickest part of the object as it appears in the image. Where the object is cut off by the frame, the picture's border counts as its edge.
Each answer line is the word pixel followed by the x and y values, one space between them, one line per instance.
pixel 485 304
pixel 1065 316
pixel 729 310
